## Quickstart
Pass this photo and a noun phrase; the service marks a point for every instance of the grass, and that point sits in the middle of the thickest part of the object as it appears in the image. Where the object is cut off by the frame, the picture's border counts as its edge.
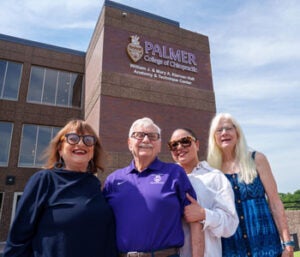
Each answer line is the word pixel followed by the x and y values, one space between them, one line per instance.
pixel 297 254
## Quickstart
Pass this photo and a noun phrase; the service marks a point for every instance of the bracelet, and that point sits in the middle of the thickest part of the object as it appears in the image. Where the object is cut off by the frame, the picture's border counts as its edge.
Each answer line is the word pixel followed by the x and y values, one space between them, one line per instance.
pixel 289 243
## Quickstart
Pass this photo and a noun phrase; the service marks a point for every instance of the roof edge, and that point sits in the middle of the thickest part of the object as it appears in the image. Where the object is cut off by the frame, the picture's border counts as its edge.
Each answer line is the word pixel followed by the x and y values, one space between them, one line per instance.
pixel 41 45
pixel 126 8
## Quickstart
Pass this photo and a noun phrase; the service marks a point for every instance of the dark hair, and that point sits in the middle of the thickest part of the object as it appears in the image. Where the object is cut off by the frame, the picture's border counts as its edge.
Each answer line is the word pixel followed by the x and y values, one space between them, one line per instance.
pixel 190 131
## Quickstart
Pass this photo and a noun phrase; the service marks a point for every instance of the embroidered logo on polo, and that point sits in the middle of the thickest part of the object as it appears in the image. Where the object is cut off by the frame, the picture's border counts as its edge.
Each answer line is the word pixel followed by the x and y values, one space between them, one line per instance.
pixel 121 182
pixel 156 179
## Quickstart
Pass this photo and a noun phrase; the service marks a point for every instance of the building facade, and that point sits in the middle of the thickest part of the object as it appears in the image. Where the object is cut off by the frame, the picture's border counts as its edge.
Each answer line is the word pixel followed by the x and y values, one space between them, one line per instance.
pixel 137 65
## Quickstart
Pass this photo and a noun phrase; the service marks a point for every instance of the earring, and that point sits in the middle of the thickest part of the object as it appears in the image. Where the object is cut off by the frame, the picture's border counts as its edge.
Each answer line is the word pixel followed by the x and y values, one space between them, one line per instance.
pixel 91 166
pixel 60 164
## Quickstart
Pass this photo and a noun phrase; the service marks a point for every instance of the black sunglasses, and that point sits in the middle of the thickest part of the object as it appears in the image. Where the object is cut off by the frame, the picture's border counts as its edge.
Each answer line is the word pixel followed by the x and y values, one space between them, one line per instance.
pixel 74 139
pixel 184 142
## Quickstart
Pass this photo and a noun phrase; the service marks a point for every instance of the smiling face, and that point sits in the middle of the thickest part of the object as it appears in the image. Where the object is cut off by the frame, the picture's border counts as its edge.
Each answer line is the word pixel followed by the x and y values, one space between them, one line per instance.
pixel 186 155
pixel 145 148
pixel 225 135
pixel 76 156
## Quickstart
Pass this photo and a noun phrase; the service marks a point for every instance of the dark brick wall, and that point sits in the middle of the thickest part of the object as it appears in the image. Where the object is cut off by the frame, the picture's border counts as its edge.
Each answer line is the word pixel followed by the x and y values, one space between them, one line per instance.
pixel 20 112
pixel 115 97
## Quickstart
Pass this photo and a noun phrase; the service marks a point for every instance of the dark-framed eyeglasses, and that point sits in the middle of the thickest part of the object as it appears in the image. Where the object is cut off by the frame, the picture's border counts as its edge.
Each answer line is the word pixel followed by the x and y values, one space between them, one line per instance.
pixel 184 142
pixel 73 139
pixel 153 136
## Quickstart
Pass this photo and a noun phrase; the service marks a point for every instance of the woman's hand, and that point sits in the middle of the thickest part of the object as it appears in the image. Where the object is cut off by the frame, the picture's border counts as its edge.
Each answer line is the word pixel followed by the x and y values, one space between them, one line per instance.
pixel 193 212
pixel 288 252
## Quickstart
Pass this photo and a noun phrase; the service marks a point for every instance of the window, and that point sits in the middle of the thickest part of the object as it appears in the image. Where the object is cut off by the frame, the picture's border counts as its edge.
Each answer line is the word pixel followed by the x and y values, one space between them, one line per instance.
pixel 5 141
pixel 54 87
pixel 10 78
pixel 1 202
pixel 34 141
pixel 17 196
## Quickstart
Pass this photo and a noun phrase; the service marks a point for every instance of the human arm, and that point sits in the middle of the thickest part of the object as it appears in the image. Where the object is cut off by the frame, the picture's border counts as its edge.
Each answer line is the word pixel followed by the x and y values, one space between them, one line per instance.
pixel 194 212
pixel 264 170
pixel 197 239
pixel 219 215
pixel 22 232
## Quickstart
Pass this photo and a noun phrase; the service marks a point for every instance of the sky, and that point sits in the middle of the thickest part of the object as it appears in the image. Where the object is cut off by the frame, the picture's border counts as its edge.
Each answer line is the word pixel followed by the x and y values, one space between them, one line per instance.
pixel 255 58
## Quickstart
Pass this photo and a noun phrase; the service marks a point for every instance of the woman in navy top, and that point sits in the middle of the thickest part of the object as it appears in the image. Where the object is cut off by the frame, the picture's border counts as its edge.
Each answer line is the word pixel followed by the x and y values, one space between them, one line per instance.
pixel 62 212
pixel 263 223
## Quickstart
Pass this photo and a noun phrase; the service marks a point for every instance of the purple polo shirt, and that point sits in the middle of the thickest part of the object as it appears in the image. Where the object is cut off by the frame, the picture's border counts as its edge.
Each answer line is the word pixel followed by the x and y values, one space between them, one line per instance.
pixel 148 205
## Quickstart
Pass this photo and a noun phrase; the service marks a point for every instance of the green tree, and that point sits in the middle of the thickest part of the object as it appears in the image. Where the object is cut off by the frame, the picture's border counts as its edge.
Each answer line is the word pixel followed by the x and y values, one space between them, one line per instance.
pixel 291 201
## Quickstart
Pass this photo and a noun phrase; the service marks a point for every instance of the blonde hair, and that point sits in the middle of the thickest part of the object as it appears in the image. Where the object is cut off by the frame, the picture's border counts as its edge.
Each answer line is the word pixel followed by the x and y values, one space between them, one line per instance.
pixel 242 154
pixel 82 127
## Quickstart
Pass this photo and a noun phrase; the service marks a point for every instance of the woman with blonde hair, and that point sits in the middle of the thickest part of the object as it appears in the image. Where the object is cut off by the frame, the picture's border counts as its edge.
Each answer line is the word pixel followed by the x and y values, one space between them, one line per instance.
pixel 263 223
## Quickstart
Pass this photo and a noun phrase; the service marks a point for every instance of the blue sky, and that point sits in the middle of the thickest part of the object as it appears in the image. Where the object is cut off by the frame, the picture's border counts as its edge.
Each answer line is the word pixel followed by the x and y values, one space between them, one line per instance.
pixel 255 56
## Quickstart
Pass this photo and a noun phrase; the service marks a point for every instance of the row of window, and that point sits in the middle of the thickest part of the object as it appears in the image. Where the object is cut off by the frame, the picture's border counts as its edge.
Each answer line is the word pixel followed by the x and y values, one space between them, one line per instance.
pixel 46 86
pixel 34 140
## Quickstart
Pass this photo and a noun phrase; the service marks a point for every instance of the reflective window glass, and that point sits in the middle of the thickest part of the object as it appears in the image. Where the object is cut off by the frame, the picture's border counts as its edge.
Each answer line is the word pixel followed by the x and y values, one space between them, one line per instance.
pixel 50 87
pixel 6 129
pixel 36 84
pixel 2 76
pixel 17 197
pixel 34 141
pixel 64 91
pixel 54 87
pixel 10 78
pixel 1 201
pixel 44 136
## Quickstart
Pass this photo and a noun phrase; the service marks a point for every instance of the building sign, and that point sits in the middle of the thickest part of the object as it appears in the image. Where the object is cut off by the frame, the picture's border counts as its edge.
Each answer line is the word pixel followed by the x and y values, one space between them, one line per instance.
pixel 156 61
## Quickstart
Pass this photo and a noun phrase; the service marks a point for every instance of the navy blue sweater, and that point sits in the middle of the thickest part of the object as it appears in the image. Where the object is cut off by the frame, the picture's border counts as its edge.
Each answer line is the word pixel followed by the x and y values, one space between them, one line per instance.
pixel 62 214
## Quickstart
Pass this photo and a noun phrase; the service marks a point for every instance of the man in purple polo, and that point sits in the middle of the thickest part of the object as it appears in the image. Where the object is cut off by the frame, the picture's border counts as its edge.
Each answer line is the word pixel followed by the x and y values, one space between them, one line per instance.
pixel 148 198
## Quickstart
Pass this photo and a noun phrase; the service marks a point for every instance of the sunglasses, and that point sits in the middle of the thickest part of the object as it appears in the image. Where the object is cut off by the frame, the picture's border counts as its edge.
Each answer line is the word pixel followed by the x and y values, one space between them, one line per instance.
pixel 184 142
pixel 74 139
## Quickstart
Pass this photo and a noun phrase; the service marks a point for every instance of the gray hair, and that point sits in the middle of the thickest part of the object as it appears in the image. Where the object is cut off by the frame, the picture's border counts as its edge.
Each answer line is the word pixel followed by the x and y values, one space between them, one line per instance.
pixel 146 122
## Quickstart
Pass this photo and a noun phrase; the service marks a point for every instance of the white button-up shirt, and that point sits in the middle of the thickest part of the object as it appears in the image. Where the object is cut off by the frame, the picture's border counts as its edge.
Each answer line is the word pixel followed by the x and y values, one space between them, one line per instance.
pixel 215 194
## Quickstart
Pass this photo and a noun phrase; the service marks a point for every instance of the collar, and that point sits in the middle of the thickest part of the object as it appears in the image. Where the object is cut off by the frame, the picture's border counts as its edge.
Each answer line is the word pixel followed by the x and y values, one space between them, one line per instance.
pixel 154 165
pixel 202 167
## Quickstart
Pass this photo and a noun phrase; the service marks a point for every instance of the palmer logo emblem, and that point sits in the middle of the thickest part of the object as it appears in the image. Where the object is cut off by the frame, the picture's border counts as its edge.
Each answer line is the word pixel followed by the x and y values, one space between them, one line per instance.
pixel 134 49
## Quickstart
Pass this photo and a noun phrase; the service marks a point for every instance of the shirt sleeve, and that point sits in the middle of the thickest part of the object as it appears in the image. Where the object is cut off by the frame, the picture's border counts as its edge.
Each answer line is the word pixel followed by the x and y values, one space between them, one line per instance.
pixel 221 219
pixel 105 189
pixel 185 187
pixel 29 208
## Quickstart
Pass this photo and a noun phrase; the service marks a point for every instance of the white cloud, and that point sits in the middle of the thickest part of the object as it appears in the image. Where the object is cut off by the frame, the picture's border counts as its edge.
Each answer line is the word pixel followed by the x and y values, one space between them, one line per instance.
pixel 255 55
pixel 255 87
pixel 257 34
pixel 36 17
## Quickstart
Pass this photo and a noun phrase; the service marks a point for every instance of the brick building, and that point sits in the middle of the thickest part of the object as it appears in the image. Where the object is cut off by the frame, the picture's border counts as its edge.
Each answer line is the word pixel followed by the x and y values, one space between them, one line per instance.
pixel 137 64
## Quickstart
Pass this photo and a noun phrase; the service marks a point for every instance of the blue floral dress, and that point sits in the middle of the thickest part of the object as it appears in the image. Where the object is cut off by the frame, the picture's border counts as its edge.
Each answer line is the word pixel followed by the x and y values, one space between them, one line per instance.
pixel 256 235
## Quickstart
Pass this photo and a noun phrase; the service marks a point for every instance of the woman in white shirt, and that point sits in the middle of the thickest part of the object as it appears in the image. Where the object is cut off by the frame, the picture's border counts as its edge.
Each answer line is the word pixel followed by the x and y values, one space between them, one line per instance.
pixel 215 208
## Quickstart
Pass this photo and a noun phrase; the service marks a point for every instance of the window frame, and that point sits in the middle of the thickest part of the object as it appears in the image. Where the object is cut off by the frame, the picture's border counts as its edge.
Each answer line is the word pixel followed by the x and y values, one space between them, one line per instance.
pixel 4 82
pixel 17 196
pixel 41 87
pixel 36 153
pixel 2 194
pixel 9 143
